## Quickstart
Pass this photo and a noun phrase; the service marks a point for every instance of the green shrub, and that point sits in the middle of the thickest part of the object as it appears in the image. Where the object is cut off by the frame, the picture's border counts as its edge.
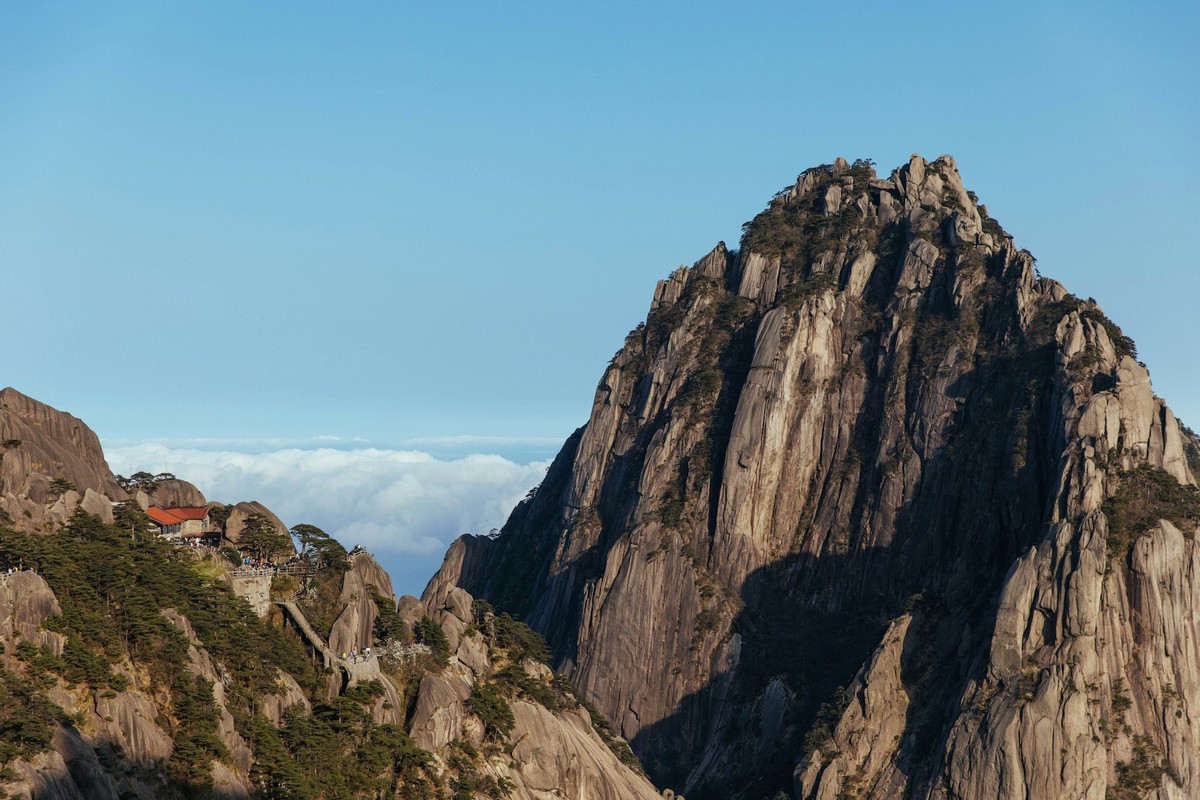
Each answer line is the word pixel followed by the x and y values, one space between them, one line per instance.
pixel 1141 775
pixel 430 634
pixel 660 324
pixel 670 512
pixel 388 623
pixel 520 640
pixel 1124 345
pixel 820 734
pixel 794 294
pixel 706 622
pixel 197 743
pixel 553 695
pixel 493 711
pixel 699 463
pixel 26 718
pixel 1143 497
pixel 113 586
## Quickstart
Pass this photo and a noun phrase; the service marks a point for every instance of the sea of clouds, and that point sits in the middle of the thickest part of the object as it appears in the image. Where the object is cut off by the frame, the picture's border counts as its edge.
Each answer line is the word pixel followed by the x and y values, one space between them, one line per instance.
pixel 406 506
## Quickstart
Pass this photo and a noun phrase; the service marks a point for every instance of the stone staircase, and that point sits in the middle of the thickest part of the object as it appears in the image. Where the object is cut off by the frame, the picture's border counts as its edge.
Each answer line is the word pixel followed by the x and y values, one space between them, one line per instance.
pixel 361 669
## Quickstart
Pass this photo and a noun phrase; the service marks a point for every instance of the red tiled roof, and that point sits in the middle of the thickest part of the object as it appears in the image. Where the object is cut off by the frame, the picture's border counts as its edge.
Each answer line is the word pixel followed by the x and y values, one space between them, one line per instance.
pixel 174 516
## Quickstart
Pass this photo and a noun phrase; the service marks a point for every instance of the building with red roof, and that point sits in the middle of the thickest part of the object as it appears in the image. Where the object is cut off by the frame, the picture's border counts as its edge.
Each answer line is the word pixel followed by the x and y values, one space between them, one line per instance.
pixel 189 522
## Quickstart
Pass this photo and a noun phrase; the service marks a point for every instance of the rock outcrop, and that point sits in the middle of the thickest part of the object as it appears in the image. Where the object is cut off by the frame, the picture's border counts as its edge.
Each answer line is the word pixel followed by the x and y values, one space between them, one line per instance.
pixel 50 465
pixel 354 627
pixel 240 512
pixel 176 493
pixel 869 508
pixel 254 589
pixel 41 443
pixel 553 751
pixel 26 602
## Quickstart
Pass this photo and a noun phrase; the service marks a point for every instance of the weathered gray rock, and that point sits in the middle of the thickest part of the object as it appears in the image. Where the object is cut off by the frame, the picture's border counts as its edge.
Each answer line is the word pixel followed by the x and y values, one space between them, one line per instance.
pixel 40 443
pixel 439 714
pixel 862 745
pixel 178 494
pixel 450 608
pixel 560 753
pixel 45 777
pixel 84 770
pixel 26 601
pixel 473 653
pixel 354 627
pixel 97 505
pixel 129 719
pixel 551 753
pixel 240 512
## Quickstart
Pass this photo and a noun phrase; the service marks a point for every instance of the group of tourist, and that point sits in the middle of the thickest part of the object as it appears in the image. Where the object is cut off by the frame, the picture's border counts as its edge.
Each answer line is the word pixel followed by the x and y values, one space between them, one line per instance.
pixel 354 657
pixel 261 565
pixel 11 570
pixel 191 541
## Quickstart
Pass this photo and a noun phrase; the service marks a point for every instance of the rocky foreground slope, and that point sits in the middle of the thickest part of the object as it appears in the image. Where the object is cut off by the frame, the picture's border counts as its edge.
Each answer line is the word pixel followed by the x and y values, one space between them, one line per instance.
pixel 483 719
pixel 130 667
pixel 869 509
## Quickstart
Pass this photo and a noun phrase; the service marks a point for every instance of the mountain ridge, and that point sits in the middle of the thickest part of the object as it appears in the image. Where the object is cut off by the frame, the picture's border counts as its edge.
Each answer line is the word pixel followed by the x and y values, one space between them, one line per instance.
pixel 132 665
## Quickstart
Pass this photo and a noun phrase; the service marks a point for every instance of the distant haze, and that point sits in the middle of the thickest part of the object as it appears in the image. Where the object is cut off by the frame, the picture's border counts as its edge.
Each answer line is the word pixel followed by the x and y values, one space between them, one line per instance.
pixel 406 506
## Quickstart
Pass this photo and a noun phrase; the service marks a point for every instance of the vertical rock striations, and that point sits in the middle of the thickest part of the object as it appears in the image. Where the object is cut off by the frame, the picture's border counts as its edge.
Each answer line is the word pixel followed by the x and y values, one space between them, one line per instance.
pixel 869 508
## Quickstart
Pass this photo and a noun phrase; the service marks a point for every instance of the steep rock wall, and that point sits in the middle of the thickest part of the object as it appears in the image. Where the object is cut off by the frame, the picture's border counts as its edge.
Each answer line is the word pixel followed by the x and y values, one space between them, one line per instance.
pixel 827 460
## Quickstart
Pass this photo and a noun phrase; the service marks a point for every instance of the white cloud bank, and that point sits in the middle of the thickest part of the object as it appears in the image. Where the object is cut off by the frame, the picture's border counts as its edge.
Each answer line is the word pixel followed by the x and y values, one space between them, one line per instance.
pixel 397 502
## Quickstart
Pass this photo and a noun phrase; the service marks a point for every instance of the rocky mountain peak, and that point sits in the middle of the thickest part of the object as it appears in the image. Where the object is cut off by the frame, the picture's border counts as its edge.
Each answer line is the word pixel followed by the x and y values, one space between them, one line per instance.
pixel 824 493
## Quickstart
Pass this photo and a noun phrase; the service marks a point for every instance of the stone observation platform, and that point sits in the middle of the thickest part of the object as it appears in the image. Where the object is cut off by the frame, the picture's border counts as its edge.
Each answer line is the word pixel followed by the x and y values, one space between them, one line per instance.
pixel 280 569
pixel 362 668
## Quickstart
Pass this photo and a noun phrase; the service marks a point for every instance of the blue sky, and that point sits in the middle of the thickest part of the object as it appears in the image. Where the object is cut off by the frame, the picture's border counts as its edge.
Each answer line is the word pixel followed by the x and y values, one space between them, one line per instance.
pixel 226 225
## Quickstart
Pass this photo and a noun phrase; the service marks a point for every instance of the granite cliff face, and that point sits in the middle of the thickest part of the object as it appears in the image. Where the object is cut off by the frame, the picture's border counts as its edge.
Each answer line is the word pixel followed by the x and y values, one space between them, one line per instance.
pixel 868 508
